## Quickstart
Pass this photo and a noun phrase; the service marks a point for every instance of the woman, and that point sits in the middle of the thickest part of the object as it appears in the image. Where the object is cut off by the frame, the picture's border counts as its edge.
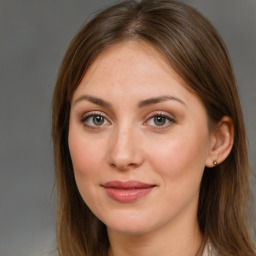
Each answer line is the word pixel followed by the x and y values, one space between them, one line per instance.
pixel 149 137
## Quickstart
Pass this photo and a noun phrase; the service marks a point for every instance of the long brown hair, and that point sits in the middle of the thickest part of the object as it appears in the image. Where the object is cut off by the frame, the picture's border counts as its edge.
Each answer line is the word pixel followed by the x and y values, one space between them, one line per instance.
pixel 196 52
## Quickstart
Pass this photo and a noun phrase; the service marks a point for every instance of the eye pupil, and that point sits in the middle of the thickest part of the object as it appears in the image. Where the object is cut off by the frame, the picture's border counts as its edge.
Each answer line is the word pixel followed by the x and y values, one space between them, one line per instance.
pixel 98 120
pixel 159 120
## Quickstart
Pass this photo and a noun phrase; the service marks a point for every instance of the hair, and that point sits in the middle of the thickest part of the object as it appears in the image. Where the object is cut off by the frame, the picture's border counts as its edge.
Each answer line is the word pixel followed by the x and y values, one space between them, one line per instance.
pixel 195 51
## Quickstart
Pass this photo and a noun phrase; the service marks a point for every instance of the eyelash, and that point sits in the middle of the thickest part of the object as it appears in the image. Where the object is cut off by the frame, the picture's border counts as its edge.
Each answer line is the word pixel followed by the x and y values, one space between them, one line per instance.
pixel 85 118
pixel 153 117
pixel 167 119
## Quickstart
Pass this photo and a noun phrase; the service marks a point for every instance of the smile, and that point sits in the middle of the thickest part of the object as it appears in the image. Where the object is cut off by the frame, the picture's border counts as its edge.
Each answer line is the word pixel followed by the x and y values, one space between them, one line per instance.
pixel 126 192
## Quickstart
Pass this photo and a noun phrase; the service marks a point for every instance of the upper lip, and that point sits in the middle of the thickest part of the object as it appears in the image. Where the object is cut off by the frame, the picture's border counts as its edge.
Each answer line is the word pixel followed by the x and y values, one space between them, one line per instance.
pixel 131 184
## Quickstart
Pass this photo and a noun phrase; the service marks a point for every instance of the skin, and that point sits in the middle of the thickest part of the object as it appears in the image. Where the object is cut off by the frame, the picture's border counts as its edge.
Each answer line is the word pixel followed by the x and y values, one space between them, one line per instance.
pixel 128 144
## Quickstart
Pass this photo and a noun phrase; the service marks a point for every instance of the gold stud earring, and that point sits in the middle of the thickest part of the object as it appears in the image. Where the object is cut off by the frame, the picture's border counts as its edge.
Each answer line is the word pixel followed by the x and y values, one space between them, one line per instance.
pixel 215 162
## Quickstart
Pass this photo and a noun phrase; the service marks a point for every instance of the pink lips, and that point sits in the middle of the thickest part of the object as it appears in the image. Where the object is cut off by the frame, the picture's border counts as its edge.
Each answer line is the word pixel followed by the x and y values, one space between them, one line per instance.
pixel 127 191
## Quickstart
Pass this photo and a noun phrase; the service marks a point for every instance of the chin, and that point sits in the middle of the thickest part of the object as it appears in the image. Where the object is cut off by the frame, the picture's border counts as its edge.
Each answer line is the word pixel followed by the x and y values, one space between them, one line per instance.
pixel 132 229
pixel 129 225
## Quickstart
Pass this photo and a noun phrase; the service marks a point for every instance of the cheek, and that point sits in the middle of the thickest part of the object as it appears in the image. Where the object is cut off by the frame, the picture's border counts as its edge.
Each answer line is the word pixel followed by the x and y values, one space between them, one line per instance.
pixel 85 165
pixel 85 155
pixel 85 158
pixel 181 157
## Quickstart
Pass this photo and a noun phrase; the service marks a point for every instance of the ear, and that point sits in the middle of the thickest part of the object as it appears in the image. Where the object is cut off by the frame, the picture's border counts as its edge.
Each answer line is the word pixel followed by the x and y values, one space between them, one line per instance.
pixel 221 142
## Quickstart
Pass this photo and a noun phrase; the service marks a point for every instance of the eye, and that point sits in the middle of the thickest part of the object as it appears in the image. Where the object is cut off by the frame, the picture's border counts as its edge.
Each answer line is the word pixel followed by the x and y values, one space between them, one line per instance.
pixel 160 121
pixel 94 120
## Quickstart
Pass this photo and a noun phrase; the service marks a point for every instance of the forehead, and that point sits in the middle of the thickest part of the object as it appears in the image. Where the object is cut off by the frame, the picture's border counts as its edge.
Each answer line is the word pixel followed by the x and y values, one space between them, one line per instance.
pixel 127 63
pixel 129 73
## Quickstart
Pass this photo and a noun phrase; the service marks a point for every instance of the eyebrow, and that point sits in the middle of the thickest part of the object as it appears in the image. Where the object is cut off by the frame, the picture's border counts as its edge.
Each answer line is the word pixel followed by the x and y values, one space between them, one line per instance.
pixel 143 103
pixel 94 100
pixel 156 100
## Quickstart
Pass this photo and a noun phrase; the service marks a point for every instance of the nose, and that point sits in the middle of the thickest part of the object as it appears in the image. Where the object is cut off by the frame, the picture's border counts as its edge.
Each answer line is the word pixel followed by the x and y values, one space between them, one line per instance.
pixel 125 151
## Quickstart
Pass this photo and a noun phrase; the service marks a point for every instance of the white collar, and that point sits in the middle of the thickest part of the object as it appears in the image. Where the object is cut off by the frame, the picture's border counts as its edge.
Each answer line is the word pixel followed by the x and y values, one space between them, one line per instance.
pixel 208 250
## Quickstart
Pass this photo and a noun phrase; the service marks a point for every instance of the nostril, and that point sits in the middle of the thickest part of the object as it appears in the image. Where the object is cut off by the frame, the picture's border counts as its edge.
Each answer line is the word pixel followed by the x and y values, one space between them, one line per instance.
pixel 123 152
pixel 123 166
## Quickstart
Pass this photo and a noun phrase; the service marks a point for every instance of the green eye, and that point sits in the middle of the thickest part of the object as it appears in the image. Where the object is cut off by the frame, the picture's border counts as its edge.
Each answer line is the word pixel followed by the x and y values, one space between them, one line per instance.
pixel 94 120
pixel 160 120
pixel 98 120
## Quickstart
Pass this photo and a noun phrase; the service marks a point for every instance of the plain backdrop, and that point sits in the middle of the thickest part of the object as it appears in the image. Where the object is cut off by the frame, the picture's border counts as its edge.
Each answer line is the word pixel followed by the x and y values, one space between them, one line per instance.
pixel 33 38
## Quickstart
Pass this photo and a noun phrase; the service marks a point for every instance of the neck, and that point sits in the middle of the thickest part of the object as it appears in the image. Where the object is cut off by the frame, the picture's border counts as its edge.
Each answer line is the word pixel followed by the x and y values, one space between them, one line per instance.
pixel 179 239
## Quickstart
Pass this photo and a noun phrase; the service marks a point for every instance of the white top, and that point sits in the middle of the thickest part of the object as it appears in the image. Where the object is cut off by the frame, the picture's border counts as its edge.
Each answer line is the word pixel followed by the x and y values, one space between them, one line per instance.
pixel 208 250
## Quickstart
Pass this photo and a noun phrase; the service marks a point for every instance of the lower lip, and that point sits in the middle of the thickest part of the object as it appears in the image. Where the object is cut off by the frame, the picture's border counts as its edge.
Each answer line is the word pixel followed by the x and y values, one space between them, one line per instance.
pixel 127 195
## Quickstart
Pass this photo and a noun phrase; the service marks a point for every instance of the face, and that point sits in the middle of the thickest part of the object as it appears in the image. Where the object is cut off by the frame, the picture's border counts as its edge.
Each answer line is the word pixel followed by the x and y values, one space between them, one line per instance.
pixel 138 140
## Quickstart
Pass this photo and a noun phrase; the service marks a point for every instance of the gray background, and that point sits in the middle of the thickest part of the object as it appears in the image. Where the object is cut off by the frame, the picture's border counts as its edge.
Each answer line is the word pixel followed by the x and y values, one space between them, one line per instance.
pixel 33 39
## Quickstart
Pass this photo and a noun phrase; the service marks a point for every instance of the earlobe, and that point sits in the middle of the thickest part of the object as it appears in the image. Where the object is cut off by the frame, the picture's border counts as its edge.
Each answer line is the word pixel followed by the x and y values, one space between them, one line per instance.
pixel 222 142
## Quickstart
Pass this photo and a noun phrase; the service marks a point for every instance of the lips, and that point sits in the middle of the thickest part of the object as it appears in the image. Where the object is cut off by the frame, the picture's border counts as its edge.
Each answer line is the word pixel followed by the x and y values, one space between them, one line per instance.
pixel 127 191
